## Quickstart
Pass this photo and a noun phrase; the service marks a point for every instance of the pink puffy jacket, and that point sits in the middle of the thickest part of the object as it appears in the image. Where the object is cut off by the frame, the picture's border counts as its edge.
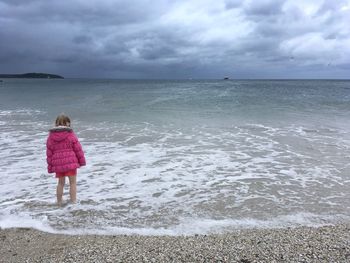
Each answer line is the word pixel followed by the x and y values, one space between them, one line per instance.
pixel 63 151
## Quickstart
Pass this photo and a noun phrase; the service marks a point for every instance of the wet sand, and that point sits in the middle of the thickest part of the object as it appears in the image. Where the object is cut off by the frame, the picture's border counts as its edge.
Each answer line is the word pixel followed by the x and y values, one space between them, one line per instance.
pixel 302 244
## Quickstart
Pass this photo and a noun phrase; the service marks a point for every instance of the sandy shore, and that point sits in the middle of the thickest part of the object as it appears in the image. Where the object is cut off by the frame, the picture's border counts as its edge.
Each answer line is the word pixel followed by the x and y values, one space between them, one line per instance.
pixel 324 244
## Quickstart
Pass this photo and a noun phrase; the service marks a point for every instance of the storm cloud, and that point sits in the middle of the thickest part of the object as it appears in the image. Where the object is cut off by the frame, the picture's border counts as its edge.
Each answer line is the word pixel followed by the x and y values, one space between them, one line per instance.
pixel 176 39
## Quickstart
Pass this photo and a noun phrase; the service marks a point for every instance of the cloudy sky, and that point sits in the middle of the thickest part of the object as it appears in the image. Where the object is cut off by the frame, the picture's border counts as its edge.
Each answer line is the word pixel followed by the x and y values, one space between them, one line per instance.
pixel 176 39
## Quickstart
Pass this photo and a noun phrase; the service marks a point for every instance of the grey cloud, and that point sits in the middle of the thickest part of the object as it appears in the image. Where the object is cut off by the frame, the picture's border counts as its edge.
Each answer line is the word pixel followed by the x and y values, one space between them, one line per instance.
pixel 17 2
pixel 162 45
pixel 157 52
pixel 93 13
pixel 345 66
pixel 330 6
pixel 173 39
pixel 82 39
pixel 263 7
pixel 229 4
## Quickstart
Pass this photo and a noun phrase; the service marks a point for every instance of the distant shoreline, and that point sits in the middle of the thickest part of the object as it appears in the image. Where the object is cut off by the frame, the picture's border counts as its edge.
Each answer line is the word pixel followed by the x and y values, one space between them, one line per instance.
pixel 53 76
pixel 31 76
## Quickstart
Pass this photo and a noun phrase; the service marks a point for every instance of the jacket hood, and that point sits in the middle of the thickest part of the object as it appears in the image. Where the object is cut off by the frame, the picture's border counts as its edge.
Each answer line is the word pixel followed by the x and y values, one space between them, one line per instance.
pixel 60 133
pixel 60 128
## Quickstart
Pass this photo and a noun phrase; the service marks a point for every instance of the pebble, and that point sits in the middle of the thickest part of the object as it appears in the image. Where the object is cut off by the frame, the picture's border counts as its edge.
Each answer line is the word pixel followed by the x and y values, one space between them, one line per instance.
pixel 303 244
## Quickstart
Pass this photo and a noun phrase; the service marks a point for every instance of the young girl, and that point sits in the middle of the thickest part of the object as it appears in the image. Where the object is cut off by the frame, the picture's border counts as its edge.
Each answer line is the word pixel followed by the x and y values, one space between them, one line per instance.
pixel 64 156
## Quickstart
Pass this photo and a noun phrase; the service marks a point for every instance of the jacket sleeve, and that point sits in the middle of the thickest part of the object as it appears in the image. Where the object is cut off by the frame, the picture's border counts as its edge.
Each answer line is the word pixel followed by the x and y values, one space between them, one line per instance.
pixel 49 156
pixel 78 150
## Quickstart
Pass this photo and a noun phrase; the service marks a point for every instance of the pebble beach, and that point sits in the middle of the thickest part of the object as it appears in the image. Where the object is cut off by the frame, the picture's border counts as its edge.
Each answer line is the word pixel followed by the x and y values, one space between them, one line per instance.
pixel 301 244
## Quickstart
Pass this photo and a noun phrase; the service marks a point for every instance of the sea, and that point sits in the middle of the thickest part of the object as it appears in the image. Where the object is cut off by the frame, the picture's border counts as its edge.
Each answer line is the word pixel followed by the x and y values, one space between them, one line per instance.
pixel 178 157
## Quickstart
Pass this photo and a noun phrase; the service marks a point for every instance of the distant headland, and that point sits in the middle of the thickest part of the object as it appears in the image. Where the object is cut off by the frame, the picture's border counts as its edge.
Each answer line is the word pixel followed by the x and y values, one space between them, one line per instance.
pixel 32 76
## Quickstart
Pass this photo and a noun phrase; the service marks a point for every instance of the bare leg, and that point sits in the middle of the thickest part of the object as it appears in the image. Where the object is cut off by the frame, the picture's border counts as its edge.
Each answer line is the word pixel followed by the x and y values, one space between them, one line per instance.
pixel 73 188
pixel 59 192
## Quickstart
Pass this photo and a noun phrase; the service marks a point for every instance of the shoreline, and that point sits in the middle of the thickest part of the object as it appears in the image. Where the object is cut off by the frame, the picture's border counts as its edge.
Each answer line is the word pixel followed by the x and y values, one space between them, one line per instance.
pixel 300 244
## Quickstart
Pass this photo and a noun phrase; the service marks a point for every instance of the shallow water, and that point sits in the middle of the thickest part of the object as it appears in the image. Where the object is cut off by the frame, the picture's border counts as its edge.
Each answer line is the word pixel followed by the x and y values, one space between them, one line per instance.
pixel 179 157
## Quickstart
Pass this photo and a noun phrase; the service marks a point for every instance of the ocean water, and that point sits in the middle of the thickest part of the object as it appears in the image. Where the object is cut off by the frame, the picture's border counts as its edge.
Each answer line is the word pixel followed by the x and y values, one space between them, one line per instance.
pixel 179 157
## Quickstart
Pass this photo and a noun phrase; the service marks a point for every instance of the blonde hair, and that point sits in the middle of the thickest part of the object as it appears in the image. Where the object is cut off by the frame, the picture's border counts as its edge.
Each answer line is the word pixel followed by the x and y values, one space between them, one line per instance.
pixel 62 120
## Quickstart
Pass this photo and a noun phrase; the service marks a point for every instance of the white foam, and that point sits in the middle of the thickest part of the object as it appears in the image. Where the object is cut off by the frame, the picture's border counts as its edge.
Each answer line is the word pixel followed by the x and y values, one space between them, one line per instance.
pixel 25 222
pixel 187 226
pixel 25 112
pixel 152 179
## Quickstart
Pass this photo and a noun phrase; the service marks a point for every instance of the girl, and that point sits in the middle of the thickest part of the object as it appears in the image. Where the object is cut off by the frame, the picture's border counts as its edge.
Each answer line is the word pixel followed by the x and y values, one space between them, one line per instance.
pixel 64 155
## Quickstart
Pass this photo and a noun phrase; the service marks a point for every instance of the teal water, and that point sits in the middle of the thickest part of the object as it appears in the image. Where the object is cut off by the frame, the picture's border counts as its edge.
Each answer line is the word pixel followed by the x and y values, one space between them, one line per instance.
pixel 179 157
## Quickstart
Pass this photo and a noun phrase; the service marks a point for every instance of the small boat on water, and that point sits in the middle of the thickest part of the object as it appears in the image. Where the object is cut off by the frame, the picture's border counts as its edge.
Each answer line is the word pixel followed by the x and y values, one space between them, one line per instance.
pixel 226 78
